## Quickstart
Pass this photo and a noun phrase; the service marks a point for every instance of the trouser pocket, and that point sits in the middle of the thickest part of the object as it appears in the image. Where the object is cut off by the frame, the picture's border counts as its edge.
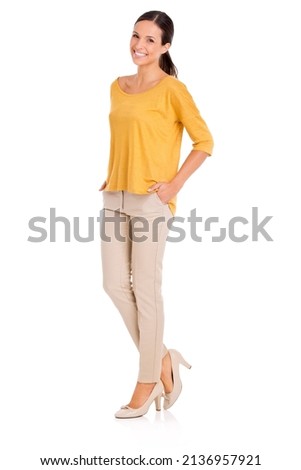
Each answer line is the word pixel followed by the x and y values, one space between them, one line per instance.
pixel 159 200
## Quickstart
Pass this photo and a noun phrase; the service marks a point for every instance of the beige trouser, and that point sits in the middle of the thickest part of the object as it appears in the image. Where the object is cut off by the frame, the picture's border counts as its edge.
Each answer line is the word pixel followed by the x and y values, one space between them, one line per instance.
pixel 134 231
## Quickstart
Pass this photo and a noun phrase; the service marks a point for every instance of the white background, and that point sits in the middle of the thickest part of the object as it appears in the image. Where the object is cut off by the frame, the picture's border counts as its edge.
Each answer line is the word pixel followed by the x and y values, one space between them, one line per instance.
pixel 231 308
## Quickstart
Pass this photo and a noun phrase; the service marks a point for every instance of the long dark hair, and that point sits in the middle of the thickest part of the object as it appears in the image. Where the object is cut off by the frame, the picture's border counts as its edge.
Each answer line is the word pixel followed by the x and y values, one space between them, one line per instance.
pixel 165 23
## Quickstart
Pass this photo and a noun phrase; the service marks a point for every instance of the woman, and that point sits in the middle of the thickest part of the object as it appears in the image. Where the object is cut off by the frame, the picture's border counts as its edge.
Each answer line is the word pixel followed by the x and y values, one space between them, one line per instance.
pixel 149 111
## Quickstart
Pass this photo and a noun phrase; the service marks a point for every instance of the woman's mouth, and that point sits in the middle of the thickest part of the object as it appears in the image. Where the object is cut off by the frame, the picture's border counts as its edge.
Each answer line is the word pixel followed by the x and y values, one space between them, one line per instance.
pixel 139 54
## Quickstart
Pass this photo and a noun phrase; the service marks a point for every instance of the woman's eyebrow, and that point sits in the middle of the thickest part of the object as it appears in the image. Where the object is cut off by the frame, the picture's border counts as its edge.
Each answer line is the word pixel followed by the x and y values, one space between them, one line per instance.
pixel 153 37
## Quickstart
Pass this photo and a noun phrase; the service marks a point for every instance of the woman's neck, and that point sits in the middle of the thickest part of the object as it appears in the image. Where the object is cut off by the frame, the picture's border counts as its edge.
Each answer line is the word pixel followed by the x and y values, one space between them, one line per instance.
pixel 148 75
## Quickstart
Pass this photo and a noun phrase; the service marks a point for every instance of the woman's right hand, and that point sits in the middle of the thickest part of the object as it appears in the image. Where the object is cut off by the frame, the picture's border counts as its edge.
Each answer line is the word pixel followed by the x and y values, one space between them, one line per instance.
pixel 102 187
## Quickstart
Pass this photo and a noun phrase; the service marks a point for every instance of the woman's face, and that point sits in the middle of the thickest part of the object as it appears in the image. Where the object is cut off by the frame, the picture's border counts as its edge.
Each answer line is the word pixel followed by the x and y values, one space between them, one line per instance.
pixel 145 44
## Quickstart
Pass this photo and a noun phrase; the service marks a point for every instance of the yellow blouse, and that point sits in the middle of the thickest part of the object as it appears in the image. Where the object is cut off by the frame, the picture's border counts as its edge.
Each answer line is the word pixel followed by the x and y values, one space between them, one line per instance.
pixel 146 135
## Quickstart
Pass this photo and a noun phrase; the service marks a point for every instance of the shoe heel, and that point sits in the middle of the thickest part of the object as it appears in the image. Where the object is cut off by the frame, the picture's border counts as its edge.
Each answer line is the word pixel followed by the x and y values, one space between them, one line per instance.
pixel 183 362
pixel 158 402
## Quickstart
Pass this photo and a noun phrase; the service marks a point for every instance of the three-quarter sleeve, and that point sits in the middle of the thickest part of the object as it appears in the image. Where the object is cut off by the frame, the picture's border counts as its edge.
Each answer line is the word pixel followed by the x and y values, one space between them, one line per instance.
pixel 188 114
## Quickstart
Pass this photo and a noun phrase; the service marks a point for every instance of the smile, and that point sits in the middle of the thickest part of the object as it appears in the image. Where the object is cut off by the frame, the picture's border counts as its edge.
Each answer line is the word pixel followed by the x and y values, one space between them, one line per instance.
pixel 139 54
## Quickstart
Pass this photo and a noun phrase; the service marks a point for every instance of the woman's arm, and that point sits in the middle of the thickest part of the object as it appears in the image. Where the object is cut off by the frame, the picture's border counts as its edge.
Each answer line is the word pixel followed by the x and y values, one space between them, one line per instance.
pixel 168 190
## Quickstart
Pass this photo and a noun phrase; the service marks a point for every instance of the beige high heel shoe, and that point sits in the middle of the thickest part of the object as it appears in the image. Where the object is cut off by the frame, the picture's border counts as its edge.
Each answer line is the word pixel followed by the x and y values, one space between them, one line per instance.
pixel 176 360
pixel 156 394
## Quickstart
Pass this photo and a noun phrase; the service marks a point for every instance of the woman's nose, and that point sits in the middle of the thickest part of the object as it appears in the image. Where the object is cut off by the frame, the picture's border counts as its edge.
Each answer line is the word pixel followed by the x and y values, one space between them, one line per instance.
pixel 139 42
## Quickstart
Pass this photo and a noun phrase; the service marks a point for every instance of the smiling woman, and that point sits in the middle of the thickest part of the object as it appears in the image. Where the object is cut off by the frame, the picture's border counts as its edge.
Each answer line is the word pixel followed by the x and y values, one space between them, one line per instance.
pixel 149 111
pixel 147 44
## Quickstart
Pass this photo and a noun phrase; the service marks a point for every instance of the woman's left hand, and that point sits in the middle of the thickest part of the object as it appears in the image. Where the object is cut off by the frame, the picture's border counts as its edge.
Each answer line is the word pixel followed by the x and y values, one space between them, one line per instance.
pixel 166 191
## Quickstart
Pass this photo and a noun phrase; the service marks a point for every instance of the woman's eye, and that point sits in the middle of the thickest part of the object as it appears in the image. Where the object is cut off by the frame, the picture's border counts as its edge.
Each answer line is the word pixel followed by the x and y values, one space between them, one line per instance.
pixel 135 35
pixel 151 40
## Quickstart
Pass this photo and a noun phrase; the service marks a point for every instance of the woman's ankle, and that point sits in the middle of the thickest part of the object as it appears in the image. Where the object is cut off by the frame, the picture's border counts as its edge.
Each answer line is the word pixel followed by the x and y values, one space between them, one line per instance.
pixel 166 373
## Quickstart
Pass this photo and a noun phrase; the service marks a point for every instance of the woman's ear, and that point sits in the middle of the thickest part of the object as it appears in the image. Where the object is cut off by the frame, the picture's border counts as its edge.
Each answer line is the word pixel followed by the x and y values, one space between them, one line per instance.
pixel 166 47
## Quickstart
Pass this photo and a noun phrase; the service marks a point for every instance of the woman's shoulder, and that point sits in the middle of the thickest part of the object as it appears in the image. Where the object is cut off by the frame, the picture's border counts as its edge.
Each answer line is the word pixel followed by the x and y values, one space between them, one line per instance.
pixel 176 89
pixel 176 83
pixel 124 82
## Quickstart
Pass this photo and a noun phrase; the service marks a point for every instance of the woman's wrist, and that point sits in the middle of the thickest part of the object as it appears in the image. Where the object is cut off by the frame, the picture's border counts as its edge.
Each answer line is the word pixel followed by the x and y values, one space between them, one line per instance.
pixel 177 183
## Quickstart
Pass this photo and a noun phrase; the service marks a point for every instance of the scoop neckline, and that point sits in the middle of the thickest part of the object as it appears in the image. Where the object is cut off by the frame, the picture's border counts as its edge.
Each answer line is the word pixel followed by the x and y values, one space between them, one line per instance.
pixel 141 92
